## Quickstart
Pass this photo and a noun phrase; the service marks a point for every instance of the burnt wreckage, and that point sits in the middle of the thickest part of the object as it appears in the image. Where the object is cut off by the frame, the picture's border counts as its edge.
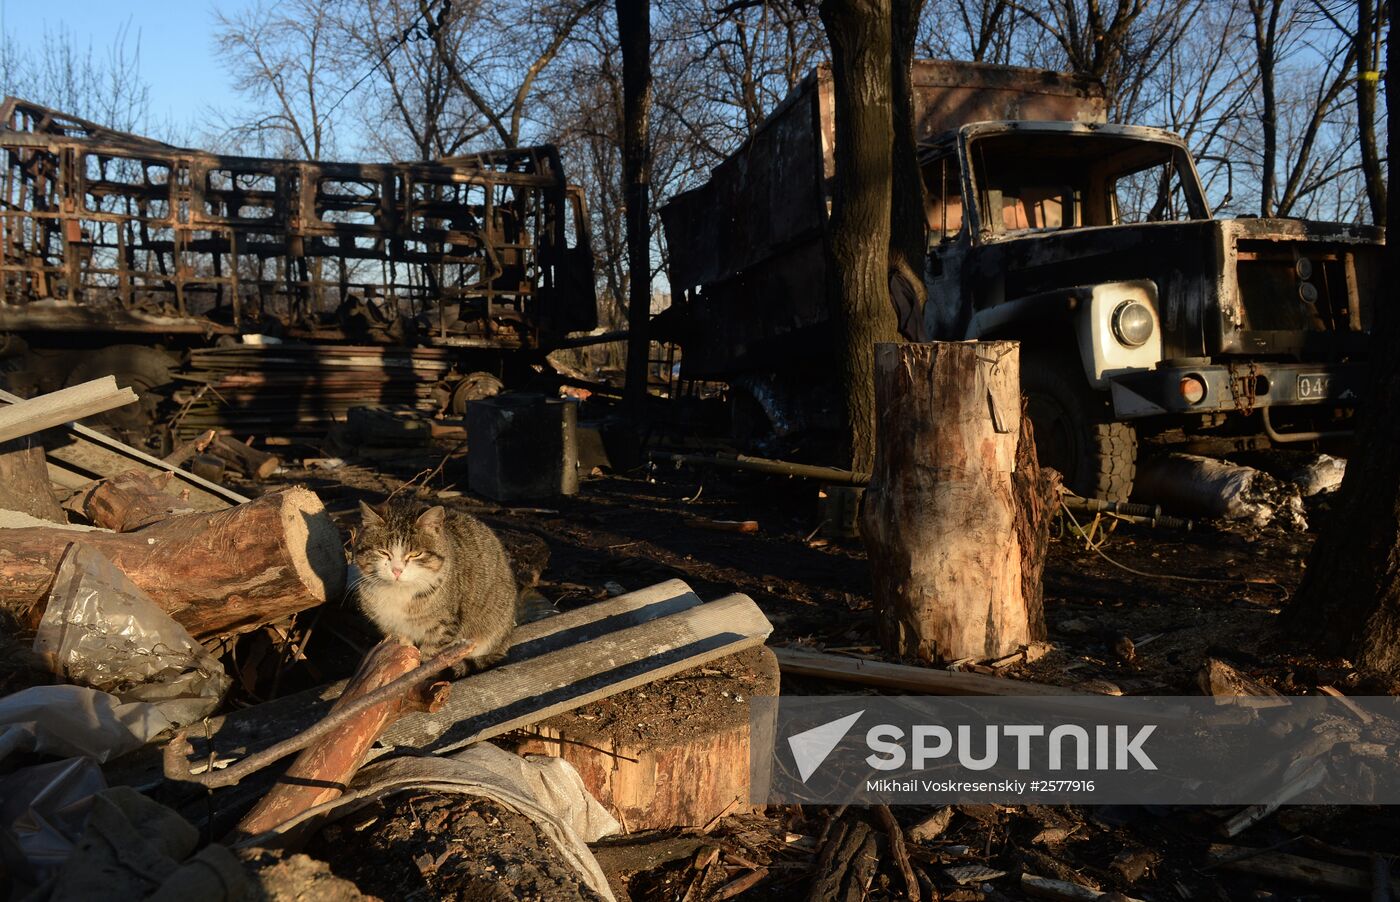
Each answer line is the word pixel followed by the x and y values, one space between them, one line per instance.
pixel 1141 317
pixel 119 244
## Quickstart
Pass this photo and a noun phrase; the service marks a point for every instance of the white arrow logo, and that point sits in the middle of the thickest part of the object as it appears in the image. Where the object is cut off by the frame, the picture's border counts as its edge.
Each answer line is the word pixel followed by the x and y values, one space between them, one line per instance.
pixel 810 747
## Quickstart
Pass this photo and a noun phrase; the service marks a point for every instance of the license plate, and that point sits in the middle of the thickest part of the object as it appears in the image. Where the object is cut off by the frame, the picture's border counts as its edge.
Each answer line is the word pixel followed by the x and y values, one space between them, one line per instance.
pixel 1313 386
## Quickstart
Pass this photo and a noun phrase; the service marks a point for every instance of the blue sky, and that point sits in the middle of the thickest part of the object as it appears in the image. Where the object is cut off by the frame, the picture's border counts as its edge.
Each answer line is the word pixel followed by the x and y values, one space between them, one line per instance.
pixel 177 52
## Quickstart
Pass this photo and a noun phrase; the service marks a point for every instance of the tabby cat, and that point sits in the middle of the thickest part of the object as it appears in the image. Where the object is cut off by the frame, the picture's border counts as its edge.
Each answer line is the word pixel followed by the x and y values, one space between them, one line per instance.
pixel 434 579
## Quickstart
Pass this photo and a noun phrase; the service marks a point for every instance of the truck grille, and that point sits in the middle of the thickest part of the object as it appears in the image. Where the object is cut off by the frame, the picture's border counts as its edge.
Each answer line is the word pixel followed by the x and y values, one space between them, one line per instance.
pixel 1295 289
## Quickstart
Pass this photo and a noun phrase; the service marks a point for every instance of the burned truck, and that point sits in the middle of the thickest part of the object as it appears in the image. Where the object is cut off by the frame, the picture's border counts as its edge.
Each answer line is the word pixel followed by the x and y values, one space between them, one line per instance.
pixel 1141 317
pixel 120 253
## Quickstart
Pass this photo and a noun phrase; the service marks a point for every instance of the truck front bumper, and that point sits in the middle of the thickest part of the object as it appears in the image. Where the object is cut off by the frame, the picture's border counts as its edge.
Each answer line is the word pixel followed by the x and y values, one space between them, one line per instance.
pixel 1240 386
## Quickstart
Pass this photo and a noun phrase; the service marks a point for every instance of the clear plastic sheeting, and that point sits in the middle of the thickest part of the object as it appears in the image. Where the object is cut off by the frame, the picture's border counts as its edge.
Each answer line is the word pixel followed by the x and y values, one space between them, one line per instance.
pixel 42 809
pixel 76 720
pixel 99 630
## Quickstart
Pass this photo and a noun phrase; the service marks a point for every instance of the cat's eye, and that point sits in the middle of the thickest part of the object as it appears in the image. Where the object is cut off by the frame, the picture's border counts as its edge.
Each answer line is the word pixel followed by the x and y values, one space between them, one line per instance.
pixel 413 555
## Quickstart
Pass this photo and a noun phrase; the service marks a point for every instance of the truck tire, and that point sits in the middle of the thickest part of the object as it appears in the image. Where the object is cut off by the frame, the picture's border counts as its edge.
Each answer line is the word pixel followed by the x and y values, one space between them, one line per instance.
pixel 1074 432
pixel 146 370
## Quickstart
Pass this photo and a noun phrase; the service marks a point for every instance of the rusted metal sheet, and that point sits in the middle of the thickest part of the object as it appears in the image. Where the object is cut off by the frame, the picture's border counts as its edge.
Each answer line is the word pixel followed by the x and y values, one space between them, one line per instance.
pixel 102 229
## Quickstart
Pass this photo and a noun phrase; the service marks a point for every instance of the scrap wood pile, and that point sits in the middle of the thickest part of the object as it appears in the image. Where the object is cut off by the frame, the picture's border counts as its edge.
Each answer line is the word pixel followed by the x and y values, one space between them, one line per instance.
pixel 291 389
pixel 125 609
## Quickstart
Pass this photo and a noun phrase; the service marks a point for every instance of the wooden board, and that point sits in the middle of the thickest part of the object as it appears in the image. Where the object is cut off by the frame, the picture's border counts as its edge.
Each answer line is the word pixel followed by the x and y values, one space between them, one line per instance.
pixel 516 694
pixel 928 680
pixel 26 416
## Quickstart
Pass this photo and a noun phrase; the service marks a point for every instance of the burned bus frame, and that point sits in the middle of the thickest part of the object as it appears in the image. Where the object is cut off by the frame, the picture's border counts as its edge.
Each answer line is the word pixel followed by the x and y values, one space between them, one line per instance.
pixel 104 231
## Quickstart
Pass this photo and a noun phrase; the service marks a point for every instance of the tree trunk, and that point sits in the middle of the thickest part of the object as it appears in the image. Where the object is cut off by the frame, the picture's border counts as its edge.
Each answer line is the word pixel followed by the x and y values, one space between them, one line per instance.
pixel 323 770
pixel 634 36
pixel 216 573
pixel 1349 601
pixel 858 239
pixel 1370 25
pixel 24 480
pixel 955 570
pixel 908 232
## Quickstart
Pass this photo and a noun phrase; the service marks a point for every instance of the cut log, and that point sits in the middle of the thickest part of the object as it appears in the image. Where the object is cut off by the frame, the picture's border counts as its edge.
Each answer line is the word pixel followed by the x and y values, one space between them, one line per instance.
pixel 191 448
pixel 251 462
pixel 208 466
pixel 940 520
pixel 25 417
pixel 324 769
pixel 216 573
pixel 24 480
pixel 127 502
pixel 674 753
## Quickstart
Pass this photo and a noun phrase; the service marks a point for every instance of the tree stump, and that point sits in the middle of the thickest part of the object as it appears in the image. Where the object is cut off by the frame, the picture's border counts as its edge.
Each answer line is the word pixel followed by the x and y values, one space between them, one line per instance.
pixel 956 541
pixel 674 753
pixel 24 480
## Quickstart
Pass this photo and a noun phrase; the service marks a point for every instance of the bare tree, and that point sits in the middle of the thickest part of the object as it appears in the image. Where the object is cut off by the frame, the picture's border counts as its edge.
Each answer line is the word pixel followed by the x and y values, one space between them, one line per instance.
pixel 103 86
pixel 983 31
pixel 1349 601
pixel 859 235
pixel 277 54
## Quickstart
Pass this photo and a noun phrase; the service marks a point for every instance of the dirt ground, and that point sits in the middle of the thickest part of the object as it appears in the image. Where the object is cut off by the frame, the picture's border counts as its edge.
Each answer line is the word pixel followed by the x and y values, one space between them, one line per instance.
pixel 1178 598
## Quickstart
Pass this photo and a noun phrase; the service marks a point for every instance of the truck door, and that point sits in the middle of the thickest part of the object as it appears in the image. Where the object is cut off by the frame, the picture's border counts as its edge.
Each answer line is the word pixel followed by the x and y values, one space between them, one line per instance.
pixel 944 317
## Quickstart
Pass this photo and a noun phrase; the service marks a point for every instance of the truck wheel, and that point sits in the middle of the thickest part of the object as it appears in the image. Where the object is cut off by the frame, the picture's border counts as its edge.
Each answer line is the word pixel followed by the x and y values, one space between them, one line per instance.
pixel 146 370
pixel 1073 430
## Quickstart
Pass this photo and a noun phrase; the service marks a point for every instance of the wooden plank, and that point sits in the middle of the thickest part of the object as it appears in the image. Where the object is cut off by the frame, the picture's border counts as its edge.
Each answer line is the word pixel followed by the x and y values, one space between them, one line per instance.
pixel 515 695
pixel 1294 868
pixel 252 729
pixel 27 416
pixel 931 681
pixel 103 455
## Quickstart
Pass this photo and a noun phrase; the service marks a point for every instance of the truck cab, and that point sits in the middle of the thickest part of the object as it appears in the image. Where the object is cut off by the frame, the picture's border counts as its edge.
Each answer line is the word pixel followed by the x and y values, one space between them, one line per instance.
pixel 1139 314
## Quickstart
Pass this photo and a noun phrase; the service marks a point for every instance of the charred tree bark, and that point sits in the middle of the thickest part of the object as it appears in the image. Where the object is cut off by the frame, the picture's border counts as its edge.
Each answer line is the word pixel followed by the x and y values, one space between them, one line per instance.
pixel 956 539
pixel 858 241
pixel 216 573
pixel 24 480
pixel 634 36
pixel 908 233
pixel 1349 601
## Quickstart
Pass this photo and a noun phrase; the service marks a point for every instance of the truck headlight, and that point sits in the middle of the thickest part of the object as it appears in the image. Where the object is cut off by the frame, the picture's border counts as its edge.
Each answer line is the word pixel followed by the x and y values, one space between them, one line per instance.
pixel 1132 324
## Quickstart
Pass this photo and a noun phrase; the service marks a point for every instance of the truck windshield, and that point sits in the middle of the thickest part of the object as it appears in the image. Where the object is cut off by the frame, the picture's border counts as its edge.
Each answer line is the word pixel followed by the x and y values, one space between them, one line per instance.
pixel 1037 181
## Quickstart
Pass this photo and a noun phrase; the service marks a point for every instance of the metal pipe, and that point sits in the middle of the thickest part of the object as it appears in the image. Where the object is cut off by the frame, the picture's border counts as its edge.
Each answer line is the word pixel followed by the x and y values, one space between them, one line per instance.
pixel 1286 437
pixel 830 475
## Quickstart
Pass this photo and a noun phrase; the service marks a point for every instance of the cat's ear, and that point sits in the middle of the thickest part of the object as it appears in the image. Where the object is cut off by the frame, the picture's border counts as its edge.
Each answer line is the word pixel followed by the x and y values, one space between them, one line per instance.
pixel 432 519
pixel 369 516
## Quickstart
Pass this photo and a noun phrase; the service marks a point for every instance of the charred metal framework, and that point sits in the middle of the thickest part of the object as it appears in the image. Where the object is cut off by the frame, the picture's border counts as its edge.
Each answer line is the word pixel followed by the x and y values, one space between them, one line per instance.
pixel 109 231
